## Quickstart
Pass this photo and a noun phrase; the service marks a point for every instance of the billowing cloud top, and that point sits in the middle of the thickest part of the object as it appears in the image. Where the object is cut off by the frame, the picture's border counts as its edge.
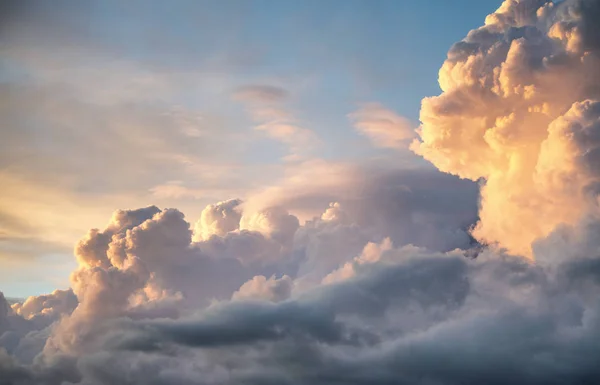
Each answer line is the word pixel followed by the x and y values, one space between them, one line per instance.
pixel 519 109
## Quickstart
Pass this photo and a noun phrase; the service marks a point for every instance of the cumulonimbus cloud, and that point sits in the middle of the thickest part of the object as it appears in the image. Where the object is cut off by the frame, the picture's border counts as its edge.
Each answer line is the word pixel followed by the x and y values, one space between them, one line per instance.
pixel 519 109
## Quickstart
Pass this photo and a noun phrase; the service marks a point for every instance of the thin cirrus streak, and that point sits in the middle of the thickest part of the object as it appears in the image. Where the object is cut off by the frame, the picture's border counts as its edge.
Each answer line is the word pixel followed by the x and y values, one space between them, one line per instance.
pixel 405 279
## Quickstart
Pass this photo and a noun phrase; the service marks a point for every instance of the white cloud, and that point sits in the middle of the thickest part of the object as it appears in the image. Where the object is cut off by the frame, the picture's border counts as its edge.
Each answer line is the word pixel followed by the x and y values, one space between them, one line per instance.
pixel 259 287
pixel 218 219
pixel 518 110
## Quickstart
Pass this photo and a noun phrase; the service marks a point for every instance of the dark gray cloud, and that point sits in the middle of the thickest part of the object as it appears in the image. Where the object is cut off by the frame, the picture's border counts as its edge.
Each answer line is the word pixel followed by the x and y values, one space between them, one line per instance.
pixel 12 373
pixel 413 207
pixel 409 317
pixel 440 319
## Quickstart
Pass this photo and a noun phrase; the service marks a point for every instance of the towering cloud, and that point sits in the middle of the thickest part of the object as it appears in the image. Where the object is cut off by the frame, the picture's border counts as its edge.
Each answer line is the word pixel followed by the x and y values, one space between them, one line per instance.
pixel 519 110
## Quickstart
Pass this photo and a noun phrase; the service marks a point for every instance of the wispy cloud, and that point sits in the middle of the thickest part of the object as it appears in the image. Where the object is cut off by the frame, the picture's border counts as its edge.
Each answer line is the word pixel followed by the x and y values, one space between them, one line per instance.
pixel 265 105
pixel 260 94
pixel 382 126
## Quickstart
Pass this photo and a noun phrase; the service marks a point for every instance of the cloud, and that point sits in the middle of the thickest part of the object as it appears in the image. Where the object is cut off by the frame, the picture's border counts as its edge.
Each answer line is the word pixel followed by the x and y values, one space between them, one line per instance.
pixel 407 205
pixel 52 305
pixel 518 110
pixel 259 287
pixel 20 248
pixel 218 219
pixel 146 148
pixel 313 182
pixel 145 265
pixel 274 222
pixel 383 127
pixel 263 105
pixel 260 94
pixel 493 319
pixel 372 252
pixel 380 315
pixel 138 123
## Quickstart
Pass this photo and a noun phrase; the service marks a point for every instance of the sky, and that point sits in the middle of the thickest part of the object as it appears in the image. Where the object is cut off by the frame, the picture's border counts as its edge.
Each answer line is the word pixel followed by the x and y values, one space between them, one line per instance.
pixel 109 105
pixel 300 192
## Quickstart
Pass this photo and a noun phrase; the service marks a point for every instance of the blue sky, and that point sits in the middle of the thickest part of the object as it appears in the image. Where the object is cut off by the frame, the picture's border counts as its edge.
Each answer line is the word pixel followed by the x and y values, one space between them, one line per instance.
pixel 114 103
